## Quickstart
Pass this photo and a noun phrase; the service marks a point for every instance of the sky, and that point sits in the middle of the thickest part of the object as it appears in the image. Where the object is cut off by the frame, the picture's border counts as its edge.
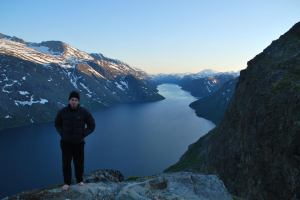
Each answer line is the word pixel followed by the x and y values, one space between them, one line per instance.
pixel 157 36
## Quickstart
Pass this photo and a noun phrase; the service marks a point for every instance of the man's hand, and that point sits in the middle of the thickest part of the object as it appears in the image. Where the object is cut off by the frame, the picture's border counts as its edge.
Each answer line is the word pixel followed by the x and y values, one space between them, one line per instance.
pixel 58 123
pixel 90 121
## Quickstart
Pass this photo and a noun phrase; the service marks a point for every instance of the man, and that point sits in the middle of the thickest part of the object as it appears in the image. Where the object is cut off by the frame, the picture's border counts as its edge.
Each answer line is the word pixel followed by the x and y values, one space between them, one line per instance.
pixel 70 123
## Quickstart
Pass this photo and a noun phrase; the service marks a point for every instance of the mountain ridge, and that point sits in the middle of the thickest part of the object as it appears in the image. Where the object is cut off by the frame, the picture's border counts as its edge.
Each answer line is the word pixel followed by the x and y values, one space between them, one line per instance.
pixel 256 147
pixel 37 77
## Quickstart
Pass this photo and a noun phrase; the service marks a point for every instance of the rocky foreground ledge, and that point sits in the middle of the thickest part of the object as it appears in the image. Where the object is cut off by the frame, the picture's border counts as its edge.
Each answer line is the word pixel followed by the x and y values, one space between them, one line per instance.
pixel 110 185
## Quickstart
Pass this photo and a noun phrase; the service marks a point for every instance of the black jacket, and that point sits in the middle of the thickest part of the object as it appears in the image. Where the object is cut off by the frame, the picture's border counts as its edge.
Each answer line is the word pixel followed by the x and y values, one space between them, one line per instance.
pixel 70 123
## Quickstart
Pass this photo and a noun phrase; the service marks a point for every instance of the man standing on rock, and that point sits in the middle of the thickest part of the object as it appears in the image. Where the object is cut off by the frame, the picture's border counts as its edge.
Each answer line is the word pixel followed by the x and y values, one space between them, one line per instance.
pixel 70 123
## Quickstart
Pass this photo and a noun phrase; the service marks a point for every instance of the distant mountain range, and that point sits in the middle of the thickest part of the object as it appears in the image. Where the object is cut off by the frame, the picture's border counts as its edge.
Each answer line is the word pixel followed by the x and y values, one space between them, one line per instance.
pixel 36 79
pixel 200 84
pixel 212 88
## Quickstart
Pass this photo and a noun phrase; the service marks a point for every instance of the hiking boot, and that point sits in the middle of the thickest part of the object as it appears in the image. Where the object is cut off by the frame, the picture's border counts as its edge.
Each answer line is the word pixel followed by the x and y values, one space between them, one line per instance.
pixel 65 187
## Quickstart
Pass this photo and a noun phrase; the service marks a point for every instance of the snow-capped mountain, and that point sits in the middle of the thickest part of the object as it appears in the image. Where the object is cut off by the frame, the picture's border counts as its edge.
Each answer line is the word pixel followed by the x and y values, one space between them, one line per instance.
pixel 203 73
pixel 36 78
pixel 208 72
pixel 207 85
pixel 57 52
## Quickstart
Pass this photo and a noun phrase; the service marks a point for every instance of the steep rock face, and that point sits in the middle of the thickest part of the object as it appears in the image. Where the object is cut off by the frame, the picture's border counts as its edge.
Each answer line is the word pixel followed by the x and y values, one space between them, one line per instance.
pixel 36 78
pixel 256 147
pixel 110 185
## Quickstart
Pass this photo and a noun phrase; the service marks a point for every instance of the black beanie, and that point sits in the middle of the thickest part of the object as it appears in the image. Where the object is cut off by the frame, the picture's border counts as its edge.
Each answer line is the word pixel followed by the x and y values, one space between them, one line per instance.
pixel 74 93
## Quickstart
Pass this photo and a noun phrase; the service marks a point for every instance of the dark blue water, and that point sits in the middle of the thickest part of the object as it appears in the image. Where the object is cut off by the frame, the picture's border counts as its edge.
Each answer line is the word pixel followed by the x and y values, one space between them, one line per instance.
pixel 137 139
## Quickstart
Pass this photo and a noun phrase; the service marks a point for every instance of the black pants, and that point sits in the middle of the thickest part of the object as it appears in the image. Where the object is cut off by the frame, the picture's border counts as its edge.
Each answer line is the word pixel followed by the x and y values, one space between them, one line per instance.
pixel 75 151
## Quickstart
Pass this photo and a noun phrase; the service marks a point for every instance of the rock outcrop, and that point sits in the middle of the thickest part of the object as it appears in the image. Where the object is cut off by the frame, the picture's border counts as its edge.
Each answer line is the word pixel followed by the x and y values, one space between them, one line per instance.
pixel 110 185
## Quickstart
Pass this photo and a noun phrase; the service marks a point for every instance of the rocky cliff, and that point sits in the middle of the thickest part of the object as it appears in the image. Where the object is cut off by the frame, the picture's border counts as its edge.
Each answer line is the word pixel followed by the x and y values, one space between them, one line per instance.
pixel 110 185
pixel 256 147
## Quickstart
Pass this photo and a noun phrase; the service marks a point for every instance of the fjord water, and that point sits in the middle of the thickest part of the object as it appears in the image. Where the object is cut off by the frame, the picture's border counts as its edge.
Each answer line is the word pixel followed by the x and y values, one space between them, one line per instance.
pixel 137 139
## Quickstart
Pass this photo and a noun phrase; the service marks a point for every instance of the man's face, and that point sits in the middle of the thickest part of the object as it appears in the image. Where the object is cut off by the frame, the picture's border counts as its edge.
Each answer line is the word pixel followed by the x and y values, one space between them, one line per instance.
pixel 73 102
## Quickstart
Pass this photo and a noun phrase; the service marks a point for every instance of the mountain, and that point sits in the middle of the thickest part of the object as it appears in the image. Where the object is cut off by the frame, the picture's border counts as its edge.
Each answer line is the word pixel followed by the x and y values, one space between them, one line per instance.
pixel 213 107
pixel 200 84
pixel 256 147
pixel 176 77
pixel 204 73
pixel 36 78
pixel 167 78
pixel 111 185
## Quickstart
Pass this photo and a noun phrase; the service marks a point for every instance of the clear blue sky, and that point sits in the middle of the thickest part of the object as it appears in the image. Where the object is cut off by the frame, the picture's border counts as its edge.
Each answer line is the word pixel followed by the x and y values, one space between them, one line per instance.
pixel 156 35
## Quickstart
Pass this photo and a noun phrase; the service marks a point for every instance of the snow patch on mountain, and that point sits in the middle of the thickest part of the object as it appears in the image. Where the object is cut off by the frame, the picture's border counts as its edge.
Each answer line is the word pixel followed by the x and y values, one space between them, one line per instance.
pixel 23 92
pixel 31 101
pixel 119 86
